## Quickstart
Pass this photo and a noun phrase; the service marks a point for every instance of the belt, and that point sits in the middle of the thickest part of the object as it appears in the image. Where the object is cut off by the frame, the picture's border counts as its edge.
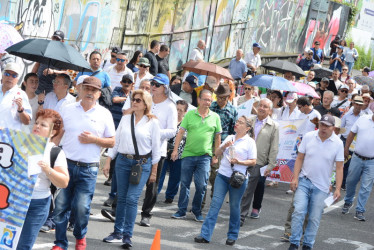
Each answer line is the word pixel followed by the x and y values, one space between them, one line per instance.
pixel 133 157
pixel 363 157
pixel 83 164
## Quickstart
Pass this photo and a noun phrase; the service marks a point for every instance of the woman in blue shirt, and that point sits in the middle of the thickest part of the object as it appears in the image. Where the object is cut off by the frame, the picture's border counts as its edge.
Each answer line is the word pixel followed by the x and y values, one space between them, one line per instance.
pixel 337 59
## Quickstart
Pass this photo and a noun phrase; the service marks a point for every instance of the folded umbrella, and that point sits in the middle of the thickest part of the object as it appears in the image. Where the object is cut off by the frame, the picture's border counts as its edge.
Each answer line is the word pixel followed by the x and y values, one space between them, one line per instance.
pixel 271 82
pixel 305 89
pixel 284 66
pixel 365 80
pixel 52 53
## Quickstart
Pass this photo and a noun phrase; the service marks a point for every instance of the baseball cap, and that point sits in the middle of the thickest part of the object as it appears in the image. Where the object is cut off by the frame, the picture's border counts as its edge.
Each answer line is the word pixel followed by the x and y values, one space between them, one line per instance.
pixel 127 77
pixel 325 79
pixel 256 45
pixel 366 69
pixel 358 100
pixel 144 61
pixel 310 51
pixel 116 49
pixel 316 43
pixel 81 79
pixel 292 96
pixel 161 78
pixel 306 50
pixel 92 81
pixel 59 35
pixel 344 86
pixel 328 120
pixel 192 81
pixel 212 82
pixel 13 67
pixel 337 37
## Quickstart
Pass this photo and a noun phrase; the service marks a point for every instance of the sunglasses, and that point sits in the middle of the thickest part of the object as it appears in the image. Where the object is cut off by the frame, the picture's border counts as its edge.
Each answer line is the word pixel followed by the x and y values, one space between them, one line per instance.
pixel 143 66
pixel 9 74
pixel 137 100
pixel 247 88
pixel 113 56
pixel 344 91
pixel 127 82
pixel 156 84
pixel 345 69
pixel 121 60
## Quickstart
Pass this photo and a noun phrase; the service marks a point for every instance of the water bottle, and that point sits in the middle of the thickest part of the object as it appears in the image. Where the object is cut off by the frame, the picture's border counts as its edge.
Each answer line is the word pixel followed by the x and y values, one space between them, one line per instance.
pixel 14 105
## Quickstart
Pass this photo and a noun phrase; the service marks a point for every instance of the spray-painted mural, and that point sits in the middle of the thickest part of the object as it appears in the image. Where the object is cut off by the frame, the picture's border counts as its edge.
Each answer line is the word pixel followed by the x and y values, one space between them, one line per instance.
pixel 226 25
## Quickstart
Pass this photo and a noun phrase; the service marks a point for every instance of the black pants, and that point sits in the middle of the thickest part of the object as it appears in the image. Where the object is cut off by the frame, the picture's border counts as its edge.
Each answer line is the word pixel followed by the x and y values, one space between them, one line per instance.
pixel 259 193
pixel 151 192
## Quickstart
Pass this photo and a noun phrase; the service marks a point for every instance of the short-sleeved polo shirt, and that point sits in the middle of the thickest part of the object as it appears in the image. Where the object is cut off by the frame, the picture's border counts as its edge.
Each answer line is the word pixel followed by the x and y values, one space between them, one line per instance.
pixel 201 132
pixel 320 158
pixel 364 128
pixel 101 74
pixel 98 120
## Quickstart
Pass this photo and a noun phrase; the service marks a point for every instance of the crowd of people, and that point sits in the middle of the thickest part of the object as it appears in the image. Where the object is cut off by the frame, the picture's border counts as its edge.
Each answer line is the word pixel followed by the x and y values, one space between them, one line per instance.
pixel 148 123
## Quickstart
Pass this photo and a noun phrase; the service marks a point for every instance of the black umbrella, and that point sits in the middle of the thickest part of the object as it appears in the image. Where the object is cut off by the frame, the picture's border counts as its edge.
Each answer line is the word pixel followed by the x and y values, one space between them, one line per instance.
pixel 322 72
pixel 284 66
pixel 52 53
pixel 365 80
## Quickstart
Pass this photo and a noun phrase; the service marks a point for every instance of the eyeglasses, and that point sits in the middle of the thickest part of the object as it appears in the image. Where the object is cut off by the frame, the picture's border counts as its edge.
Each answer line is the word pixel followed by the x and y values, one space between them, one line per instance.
pixel 9 74
pixel 156 84
pixel 143 66
pixel 344 91
pixel 222 98
pixel 247 88
pixel 121 60
pixel 137 100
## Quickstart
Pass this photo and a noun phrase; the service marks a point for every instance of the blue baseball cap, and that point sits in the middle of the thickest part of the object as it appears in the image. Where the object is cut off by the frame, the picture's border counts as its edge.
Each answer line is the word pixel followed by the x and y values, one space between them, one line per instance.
pixel 161 78
pixel 256 45
pixel 192 80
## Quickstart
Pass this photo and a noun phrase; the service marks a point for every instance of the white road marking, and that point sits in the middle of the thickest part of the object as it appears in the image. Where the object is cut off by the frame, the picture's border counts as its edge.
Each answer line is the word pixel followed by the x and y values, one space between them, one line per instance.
pixel 259 230
pixel 360 245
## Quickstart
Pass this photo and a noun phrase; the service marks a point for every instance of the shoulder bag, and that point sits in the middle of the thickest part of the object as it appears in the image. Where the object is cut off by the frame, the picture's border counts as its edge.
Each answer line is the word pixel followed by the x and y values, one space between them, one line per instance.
pixel 136 169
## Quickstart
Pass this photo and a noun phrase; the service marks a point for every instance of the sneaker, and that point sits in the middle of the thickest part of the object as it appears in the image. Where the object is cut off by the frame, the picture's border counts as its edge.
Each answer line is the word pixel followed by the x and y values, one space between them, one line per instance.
pixel 178 215
pixel 145 222
pixel 46 229
pixel 306 248
pixel 56 248
pixel 293 247
pixel 168 201
pixel 289 191
pixel 80 244
pixel 70 227
pixel 126 240
pixel 109 202
pixel 198 218
pixel 285 237
pixel 114 238
pixel 108 214
pixel 343 188
pixel 360 216
pixel 346 207
pixel 255 214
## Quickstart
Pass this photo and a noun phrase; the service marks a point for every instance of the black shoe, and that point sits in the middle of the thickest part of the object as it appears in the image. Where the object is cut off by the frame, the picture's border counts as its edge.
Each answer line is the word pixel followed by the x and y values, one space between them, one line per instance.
pixel 108 214
pixel 306 248
pixel 230 242
pixel 200 239
pixel 242 222
pixel 293 247
pixel 168 201
pixel 109 202
pixel 70 227
pixel 145 222
pixel 108 182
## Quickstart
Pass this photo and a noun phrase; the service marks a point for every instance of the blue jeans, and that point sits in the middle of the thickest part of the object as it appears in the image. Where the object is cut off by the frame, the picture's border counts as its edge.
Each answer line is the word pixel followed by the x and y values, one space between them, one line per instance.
pixel 198 167
pixel 221 187
pixel 364 170
pixel 76 197
pixel 174 178
pixel 128 194
pixel 308 200
pixel 350 66
pixel 35 217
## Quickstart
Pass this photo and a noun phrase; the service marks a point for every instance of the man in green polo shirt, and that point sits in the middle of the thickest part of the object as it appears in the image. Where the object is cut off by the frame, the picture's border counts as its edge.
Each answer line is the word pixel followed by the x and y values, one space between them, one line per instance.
pixel 202 125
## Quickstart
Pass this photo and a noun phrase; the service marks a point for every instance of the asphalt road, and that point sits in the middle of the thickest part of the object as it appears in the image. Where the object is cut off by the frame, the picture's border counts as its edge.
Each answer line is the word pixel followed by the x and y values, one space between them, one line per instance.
pixel 337 231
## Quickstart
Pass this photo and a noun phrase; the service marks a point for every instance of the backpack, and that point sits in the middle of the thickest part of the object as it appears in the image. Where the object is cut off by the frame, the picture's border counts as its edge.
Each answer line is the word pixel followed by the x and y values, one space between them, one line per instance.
pixel 53 156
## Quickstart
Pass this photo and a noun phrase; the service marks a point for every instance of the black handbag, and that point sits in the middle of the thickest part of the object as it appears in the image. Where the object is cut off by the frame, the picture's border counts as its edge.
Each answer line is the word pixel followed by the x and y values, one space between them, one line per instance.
pixel 237 178
pixel 136 169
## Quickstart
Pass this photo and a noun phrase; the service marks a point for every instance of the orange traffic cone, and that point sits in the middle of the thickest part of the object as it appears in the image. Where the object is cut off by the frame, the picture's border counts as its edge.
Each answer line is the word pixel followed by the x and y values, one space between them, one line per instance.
pixel 156 244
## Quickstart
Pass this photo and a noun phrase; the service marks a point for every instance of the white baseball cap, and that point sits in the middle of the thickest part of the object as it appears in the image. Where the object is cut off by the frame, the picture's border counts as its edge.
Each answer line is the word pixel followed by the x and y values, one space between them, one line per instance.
pixel 292 96
pixel 13 67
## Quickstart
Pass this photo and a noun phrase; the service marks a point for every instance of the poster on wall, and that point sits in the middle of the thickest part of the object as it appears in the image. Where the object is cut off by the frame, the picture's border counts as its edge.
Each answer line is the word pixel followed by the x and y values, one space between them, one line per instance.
pixel 290 135
pixel 16 185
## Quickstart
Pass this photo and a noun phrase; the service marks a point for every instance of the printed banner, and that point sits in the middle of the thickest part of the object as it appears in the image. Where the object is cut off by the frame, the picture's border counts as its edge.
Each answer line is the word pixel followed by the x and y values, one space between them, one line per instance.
pixel 290 135
pixel 15 186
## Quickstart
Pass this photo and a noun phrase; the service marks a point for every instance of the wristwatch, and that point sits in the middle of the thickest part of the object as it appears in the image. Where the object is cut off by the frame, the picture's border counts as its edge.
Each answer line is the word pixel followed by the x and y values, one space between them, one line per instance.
pixel 20 111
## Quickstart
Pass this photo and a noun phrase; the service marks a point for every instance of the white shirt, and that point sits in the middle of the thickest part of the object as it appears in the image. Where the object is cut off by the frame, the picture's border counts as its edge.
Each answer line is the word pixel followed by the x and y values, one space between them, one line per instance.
pixel 366 111
pixel 251 58
pixel 364 128
pixel 8 108
pixel 285 114
pixel 196 54
pixel 347 122
pixel 42 186
pixel 34 107
pixel 107 65
pixel 98 121
pixel 309 126
pixel 245 149
pixel 350 54
pixel 320 158
pixel 166 113
pixel 335 103
pixel 147 133
pixel 51 101
pixel 137 79
pixel 276 115
pixel 116 77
